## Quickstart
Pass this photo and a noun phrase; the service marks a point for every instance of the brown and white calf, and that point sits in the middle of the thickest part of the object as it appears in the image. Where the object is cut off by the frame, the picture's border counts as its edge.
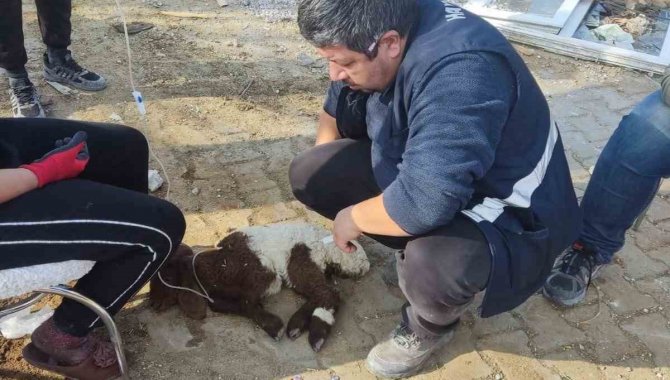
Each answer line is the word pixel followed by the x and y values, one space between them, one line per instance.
pixel 253 263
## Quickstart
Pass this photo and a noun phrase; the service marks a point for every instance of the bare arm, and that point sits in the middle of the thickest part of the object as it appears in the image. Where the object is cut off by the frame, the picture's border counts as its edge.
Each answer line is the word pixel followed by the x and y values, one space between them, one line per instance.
pixel 327 130
pixel 15 182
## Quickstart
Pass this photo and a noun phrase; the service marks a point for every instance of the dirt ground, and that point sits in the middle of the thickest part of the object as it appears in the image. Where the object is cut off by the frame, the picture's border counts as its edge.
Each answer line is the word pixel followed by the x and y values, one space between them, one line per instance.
pixel 232 97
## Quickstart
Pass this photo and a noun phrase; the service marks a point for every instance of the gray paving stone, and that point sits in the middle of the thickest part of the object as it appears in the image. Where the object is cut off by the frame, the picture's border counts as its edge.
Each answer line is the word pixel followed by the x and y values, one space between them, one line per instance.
pixel 651 236
pixel 551 331
pixel 658 211
pixel 459 359
pixel 510 352
pixel 653 331
pixel 569 364
pixel 609 341
pixel 500 323
pixel 637 264
pixel 624 298
pixel 658 288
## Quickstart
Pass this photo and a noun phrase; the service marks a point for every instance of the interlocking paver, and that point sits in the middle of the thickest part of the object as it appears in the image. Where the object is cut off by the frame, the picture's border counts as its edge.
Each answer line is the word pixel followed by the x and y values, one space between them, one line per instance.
pixel 570 364
pixel 637 264
pixel 624 298
pixel 510 352
pixel 654 332
pixel 550 331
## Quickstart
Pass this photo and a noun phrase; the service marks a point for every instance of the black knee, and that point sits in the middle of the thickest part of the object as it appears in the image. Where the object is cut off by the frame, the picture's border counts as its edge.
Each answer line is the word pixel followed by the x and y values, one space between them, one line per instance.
pixel 301 172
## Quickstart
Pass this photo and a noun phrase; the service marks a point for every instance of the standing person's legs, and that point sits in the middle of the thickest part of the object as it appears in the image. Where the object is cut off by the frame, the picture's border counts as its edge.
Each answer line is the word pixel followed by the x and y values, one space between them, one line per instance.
pixel 59 65
pixel 22 95
pixel 13 56
pixel 626 176
pixel 55 25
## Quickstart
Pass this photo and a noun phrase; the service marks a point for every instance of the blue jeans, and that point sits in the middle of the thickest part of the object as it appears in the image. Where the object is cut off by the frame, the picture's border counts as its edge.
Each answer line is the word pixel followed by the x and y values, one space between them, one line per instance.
pixel 627 176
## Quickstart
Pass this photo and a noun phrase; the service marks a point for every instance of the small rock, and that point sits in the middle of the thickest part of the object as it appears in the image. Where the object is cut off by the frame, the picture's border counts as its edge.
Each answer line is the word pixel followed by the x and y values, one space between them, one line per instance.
pixel 222 3
pixel 629 369
pixel 499 376
pixel 195 191
pixel 155 180
pixel 581 347
pixel 115 118
pixel 334 377
pixel 133 27
pixel 645 310
pixel 297 377
pixel 305 60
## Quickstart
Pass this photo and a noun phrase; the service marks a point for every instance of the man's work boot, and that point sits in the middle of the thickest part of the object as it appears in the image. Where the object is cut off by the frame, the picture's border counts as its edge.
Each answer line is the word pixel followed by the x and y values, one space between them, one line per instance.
pixel 404 353
pixel 24 98
pixel 60 66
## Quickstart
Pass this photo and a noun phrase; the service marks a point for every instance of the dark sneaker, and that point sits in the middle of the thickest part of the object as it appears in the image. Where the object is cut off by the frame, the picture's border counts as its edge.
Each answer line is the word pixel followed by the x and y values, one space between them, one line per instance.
pixel 24 98
pixel 64 69
pixel 572 275
pixel 404 353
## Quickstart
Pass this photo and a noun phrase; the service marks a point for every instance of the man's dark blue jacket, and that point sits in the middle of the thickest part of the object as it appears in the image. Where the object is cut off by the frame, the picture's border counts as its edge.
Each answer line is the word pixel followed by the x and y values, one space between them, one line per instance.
pixel 465 128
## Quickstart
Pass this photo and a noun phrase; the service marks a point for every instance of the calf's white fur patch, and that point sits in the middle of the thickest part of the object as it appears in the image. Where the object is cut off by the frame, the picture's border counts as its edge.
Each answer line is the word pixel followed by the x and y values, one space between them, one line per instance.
pixel 324 315
pixel 273 244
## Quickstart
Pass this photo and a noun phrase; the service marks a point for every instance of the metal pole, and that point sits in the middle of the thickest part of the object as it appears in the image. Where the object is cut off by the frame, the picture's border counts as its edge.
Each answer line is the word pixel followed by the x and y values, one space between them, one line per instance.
pixel 11 309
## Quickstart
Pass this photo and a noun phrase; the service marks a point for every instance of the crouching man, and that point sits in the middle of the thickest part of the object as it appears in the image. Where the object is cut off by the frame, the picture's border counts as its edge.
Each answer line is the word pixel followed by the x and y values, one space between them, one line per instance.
pixel 435 139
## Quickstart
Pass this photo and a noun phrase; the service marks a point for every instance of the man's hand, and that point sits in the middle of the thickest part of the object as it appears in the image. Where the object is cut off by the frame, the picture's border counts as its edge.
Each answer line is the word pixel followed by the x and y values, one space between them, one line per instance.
pixel 345 230
pixel 68 160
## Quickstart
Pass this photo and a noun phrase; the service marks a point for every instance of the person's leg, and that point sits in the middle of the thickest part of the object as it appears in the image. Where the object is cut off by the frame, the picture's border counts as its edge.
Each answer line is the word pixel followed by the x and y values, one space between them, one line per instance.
pixel 126 232
pixel 54 20
pixel 626 176
pixel 13 57
pixel 23 95
pixel 624 182
pixel 59 65
pixel 331 177
pixel 119 154
pixel 439 273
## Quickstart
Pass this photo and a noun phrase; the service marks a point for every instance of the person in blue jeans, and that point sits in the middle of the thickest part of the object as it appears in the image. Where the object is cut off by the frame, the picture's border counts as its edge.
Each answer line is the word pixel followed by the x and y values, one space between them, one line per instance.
pixel 624 182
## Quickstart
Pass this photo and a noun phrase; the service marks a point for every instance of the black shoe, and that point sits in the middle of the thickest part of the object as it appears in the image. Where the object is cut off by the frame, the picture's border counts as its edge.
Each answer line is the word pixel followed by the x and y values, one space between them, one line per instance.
pixel 62 68
pixel 570 279
pixel 24 98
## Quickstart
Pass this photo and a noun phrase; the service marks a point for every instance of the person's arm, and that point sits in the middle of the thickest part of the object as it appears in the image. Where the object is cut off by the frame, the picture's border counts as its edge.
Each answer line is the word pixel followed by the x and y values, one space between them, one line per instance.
pixel 455 122
pixel 68 160
pixel 16 182
pixel 327 129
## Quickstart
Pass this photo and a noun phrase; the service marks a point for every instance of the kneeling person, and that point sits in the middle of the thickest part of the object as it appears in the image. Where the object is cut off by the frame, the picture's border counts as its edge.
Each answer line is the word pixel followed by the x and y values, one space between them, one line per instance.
pixel 435 139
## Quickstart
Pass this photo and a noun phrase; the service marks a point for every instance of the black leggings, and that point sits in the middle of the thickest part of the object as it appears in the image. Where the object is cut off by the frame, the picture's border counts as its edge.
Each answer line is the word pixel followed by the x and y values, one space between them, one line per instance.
pixel 105 216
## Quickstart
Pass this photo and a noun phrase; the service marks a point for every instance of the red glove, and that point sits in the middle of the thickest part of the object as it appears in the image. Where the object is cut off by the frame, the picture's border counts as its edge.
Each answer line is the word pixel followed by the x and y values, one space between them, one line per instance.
pixel 68 160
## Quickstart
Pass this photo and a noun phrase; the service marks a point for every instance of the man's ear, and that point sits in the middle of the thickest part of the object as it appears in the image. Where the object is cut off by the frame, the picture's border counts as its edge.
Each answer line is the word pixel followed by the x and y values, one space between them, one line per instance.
pixel 391 44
